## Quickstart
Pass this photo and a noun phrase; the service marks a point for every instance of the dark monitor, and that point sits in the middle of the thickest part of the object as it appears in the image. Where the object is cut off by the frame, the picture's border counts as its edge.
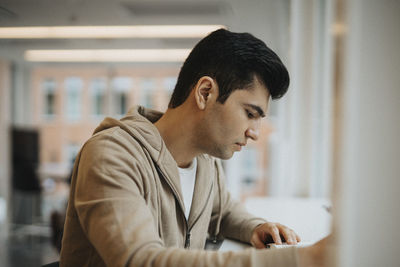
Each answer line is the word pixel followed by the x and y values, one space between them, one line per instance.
pixel 25 159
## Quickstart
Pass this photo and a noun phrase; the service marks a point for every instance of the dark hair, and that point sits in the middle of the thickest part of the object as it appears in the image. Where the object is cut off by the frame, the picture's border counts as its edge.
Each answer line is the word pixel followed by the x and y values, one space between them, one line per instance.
pixel 233 60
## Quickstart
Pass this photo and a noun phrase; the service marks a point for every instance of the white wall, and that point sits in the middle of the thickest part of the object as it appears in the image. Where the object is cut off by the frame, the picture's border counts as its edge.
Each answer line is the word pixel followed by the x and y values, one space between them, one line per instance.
pixel 21 95
pixel 368 218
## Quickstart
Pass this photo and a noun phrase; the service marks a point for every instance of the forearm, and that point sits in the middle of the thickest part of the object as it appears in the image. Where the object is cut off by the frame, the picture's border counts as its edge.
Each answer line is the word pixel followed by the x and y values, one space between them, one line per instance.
pixel 165 257
pixel 313 256
pixel 240 226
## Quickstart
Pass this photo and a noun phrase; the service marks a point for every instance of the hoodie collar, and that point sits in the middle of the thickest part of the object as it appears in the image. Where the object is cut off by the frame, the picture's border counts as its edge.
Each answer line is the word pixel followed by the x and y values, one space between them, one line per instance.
pixel 139 123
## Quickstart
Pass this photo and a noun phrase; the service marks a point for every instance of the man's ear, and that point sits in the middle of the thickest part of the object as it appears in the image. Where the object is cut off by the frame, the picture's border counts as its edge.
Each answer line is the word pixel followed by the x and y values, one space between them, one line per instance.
pixel 205 91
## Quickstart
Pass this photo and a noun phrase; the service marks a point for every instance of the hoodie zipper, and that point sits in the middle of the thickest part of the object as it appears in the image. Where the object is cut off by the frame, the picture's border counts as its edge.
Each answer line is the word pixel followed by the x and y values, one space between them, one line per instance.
pixel 187 240
pixel 188 234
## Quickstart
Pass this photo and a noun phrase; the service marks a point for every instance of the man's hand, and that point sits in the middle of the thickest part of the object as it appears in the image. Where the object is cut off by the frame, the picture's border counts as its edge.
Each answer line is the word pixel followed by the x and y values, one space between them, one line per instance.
pixel 273 233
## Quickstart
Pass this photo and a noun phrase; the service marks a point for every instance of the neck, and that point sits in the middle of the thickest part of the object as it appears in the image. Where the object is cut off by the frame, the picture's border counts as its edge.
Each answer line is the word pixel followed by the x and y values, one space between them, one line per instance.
pixel 178 134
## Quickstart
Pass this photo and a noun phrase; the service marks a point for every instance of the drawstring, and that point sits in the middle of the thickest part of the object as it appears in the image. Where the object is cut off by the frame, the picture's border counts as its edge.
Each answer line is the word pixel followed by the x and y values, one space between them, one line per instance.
pixel 216 232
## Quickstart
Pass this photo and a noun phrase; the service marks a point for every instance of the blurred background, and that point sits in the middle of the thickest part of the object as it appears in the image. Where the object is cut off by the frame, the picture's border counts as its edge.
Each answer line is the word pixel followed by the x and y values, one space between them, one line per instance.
pixel 332 140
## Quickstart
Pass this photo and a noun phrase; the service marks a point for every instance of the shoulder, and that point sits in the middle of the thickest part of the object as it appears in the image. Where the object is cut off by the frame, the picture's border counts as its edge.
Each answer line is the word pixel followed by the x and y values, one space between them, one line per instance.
pixel 113 143
pixel 113 157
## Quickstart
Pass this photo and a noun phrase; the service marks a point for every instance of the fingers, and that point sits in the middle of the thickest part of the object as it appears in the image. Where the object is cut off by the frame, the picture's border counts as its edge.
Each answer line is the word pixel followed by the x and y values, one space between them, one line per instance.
pixel 257 239
pixel 257 243
pixel 290 236
pixel 274 232
pixel 298 238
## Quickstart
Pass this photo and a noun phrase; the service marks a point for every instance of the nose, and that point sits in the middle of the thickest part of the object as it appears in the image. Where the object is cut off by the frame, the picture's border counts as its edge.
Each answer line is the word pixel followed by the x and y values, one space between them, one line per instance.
pixel 254 131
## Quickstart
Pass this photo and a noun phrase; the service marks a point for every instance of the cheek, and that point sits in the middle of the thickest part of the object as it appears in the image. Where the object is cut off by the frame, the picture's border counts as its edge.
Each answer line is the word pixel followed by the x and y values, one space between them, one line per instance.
pixel 232 127
pixel 229 123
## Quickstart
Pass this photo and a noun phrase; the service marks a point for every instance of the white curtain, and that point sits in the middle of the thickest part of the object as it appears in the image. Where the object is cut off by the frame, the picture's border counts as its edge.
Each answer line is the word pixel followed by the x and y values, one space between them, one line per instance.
pixel 301 148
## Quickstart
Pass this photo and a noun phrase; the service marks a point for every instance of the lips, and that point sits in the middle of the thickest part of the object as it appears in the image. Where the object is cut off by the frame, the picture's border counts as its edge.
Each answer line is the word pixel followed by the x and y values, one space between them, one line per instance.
pixel 240 145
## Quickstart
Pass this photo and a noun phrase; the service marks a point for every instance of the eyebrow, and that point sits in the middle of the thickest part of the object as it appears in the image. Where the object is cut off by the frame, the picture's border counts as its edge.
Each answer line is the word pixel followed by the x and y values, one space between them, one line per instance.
pixel 256 108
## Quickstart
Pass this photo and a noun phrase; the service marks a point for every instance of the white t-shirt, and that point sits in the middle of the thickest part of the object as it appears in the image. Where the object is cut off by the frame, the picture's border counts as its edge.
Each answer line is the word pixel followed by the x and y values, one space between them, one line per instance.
pixel 188 179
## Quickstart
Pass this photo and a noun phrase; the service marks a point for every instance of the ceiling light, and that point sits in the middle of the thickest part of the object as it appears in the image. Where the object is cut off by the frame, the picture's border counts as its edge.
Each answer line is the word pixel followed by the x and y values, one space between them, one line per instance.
pixel 147 31
pixel 108 55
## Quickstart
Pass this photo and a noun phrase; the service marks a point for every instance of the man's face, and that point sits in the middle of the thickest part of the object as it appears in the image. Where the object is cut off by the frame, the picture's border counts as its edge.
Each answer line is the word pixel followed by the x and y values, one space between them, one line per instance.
pixel 227 127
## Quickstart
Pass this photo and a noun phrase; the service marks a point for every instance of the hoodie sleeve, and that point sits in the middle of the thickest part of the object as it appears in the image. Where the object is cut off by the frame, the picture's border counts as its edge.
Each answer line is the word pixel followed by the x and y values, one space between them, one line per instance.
pixel 230 218
pixel 120 228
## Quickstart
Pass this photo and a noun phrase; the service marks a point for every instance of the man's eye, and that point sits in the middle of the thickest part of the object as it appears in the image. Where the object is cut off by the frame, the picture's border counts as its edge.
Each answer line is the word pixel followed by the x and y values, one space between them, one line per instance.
pixel 250 115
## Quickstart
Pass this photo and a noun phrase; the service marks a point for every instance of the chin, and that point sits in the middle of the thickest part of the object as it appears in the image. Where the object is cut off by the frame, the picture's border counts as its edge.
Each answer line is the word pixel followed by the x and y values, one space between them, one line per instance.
pixel 226 157
pixel 222 154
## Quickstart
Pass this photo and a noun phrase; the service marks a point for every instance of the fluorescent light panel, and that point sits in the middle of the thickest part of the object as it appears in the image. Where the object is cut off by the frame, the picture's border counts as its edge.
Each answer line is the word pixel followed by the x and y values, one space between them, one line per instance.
pixel 146 31
pixel 108 55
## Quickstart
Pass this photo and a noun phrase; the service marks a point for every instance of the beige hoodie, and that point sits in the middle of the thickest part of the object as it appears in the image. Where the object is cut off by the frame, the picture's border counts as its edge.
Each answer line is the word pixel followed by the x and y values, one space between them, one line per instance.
pixel 126 206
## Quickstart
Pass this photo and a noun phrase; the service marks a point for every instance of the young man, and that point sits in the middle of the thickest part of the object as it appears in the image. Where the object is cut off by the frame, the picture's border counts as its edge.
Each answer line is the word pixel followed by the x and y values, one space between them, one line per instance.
pixel 127 207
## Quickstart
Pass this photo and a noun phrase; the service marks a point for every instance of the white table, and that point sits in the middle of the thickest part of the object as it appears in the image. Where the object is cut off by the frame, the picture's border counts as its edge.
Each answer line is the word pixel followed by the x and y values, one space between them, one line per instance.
pixel 308 217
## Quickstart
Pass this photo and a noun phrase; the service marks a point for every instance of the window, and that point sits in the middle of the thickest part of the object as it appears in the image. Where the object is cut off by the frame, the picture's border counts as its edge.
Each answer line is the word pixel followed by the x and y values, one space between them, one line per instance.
pixel 249 168
pixel 121 87
pixel 73 86
pixel 147 89
pixel 244 172
pixel 169 85
pixel 49 88
pixel 70 153
pixel 98 94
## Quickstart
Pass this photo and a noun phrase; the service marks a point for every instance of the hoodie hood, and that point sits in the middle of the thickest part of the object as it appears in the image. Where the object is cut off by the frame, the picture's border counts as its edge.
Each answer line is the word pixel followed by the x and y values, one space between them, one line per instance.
pixel 139 123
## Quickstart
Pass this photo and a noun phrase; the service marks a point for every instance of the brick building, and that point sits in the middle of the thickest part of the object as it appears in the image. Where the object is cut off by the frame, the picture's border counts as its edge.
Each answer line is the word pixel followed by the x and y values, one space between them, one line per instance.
pixel 70 101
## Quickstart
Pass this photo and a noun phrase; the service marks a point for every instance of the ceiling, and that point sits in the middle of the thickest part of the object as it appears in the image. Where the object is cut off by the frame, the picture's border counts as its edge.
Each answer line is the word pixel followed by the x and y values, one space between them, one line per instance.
pixel 266 19
pixel 110 12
